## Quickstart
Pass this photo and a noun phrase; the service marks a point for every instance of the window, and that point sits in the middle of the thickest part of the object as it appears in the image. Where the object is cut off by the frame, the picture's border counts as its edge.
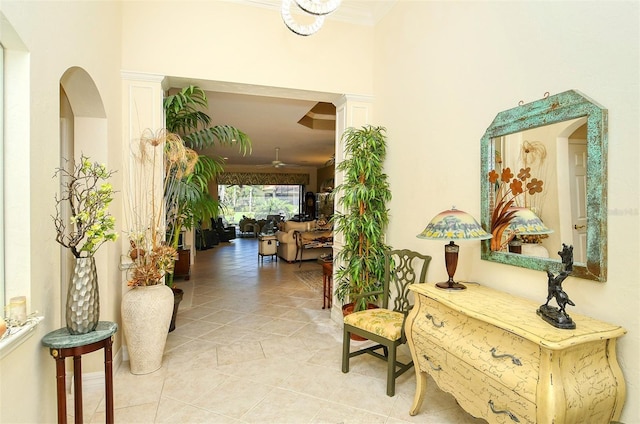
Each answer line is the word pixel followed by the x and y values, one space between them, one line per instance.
pixel 2 287
pixel 259 201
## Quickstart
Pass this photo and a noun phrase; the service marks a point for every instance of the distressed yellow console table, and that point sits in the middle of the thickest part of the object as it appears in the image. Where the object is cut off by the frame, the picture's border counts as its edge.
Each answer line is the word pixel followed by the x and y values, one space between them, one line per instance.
pixel 503 363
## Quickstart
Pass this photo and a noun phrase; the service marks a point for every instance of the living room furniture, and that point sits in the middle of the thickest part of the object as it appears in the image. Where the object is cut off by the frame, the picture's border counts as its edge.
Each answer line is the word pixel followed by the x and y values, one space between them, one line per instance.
pixel 248 227
pixel 383 325
pixel 267 246
pixel 62 345
pixel 225 232
pixel 206 238
pixel 504 364
pixel 182 267
pixel 309 230
pixel 327 282
pixel 314 242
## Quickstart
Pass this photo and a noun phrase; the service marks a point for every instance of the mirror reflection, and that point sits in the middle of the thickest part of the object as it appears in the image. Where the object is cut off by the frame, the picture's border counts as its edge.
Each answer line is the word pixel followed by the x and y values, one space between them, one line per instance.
pixel 544 184
pixel 550 164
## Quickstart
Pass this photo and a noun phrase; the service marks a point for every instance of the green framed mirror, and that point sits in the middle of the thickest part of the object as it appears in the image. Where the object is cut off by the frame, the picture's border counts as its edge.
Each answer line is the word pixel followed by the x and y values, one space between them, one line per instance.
pixel 560 144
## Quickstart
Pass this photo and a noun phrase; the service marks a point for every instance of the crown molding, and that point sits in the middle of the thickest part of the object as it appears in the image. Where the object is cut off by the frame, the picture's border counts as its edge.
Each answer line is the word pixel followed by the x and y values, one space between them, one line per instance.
pixel 367 12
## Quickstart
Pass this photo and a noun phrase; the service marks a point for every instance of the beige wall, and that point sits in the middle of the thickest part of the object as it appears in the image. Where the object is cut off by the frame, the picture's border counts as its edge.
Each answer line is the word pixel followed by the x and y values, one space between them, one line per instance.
pixel 440 81
pixel 56 37
pixel 225 41
pixel 440 71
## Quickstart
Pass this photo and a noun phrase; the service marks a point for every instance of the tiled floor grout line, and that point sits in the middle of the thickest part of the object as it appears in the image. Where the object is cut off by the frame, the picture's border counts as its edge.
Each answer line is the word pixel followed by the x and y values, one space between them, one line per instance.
pixel 214 378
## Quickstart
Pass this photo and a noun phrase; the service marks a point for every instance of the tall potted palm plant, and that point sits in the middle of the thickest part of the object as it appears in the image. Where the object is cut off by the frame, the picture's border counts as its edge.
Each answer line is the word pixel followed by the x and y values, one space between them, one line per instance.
pixel 185 115
pixel 188 194
pixel 363 217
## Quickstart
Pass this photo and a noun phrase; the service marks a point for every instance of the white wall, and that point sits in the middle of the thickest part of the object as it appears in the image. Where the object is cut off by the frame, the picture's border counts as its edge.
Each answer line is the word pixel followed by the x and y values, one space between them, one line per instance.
pixel 443 70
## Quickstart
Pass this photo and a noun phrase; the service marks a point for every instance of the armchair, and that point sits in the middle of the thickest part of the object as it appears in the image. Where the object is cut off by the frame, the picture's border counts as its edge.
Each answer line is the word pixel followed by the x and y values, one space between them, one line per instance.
pixel 248 226
pixel 226 233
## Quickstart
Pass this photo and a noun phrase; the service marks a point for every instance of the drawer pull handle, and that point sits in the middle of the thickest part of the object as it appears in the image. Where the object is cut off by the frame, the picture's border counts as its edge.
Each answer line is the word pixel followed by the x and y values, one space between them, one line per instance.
pixel 509 413
pixel 438 368
pixel 433 321
pixel 515 360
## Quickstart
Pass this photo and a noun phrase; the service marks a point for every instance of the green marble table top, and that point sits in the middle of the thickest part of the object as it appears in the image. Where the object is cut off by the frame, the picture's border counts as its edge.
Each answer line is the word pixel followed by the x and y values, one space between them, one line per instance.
pixel 60 339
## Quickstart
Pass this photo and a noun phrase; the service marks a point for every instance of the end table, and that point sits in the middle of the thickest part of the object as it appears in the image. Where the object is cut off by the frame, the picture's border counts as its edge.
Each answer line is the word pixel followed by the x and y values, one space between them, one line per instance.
pixel 61 345
pixel 267 246
pixel 327 283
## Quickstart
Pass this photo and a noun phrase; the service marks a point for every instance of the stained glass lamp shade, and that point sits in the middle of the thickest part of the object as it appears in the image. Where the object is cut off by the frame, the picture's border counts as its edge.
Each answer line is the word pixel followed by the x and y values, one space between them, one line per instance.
pixel 453 224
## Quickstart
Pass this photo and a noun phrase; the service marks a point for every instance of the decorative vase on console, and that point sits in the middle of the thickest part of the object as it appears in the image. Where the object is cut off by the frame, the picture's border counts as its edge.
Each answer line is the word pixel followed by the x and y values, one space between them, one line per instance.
pixel 82 225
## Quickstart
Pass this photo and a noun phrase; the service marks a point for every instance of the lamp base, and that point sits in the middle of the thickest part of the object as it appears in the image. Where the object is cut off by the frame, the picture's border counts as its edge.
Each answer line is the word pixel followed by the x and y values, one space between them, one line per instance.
pixel 446 285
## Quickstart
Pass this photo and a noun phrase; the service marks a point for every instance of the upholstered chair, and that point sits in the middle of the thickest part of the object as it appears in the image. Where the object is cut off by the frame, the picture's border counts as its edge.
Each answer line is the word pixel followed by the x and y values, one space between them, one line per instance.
pixel 385 325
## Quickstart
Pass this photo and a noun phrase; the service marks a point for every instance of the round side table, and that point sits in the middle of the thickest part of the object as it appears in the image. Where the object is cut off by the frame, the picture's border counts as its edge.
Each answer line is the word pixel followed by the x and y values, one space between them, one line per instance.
pixel 61 345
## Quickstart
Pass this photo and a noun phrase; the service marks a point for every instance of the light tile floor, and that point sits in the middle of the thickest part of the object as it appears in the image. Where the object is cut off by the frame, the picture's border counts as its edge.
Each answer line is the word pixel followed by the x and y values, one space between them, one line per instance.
pixel 257 347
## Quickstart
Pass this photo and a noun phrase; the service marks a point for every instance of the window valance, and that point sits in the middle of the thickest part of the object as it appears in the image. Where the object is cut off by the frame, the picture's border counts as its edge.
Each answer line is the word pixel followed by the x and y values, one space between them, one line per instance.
pixel 259 178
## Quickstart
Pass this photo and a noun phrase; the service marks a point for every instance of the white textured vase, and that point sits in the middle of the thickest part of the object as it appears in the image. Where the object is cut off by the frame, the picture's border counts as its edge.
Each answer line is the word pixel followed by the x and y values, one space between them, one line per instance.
pixel 83 297
pixel 146 315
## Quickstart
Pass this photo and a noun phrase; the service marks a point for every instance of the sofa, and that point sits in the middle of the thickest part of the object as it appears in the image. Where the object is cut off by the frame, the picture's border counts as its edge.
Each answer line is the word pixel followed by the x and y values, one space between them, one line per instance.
pixel 307 231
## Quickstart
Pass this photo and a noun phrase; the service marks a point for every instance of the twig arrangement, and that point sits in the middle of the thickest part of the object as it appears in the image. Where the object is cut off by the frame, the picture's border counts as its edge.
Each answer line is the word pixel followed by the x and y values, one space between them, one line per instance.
pixel 159 161
pixel 82 220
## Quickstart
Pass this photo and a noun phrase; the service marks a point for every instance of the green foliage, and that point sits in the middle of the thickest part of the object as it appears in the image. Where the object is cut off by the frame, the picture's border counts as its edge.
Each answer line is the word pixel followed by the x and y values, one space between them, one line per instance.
pixel 185 116
pixel 87 195
pixel 364 215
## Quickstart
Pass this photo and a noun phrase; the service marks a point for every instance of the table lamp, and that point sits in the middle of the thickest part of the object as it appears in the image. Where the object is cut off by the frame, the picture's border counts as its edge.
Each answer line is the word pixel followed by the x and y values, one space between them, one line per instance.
pixel 524 222
pixel 452 225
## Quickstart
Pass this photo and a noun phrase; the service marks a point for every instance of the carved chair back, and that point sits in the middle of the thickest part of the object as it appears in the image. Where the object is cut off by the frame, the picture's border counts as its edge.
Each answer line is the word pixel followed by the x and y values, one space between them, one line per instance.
pixel 402 268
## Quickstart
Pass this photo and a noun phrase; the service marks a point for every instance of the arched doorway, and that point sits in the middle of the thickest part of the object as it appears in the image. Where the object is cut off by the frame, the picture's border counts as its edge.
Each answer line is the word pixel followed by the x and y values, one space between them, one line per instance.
pixel 83 130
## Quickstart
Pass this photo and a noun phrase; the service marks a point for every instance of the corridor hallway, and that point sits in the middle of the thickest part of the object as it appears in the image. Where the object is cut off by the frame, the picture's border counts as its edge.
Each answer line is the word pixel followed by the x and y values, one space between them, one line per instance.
pixel 257 347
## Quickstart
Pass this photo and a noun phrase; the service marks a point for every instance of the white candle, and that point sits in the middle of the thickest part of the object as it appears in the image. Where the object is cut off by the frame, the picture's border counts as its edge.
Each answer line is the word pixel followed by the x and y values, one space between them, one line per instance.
pixel 18 309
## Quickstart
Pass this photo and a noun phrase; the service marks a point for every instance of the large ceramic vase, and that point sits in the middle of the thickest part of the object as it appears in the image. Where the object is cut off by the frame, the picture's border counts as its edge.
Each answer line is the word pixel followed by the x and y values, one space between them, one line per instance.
pixel 146 315
pixel 83 297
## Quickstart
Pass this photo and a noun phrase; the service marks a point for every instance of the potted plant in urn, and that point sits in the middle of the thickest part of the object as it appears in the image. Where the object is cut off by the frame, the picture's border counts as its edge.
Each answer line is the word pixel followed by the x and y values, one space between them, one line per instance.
pixel 83 224
pixel 363 217
pixel 159 160
pixel 188 194
pixel 193 203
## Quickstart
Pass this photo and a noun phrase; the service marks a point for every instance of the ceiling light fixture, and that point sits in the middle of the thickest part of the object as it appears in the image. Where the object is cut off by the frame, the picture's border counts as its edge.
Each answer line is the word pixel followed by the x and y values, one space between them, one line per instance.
pixel 318 9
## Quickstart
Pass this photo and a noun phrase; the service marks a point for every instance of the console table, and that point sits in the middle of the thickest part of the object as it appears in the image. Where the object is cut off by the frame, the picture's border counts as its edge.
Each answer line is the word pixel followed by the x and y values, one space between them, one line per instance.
pixel 61 345
pixel 503 363
pixel 302 244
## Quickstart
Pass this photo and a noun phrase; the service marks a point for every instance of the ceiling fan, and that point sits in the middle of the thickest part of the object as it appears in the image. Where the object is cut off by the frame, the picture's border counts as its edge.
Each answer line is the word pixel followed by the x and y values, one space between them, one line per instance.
pixel 277 163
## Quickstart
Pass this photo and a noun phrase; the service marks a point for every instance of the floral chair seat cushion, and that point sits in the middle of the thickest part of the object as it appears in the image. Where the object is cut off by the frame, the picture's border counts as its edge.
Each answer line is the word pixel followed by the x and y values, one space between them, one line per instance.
pixel 383 322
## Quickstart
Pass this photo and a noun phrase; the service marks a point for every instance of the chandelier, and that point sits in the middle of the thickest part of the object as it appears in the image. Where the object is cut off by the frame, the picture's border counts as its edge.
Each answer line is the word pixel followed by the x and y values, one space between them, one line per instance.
pixel 317 9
